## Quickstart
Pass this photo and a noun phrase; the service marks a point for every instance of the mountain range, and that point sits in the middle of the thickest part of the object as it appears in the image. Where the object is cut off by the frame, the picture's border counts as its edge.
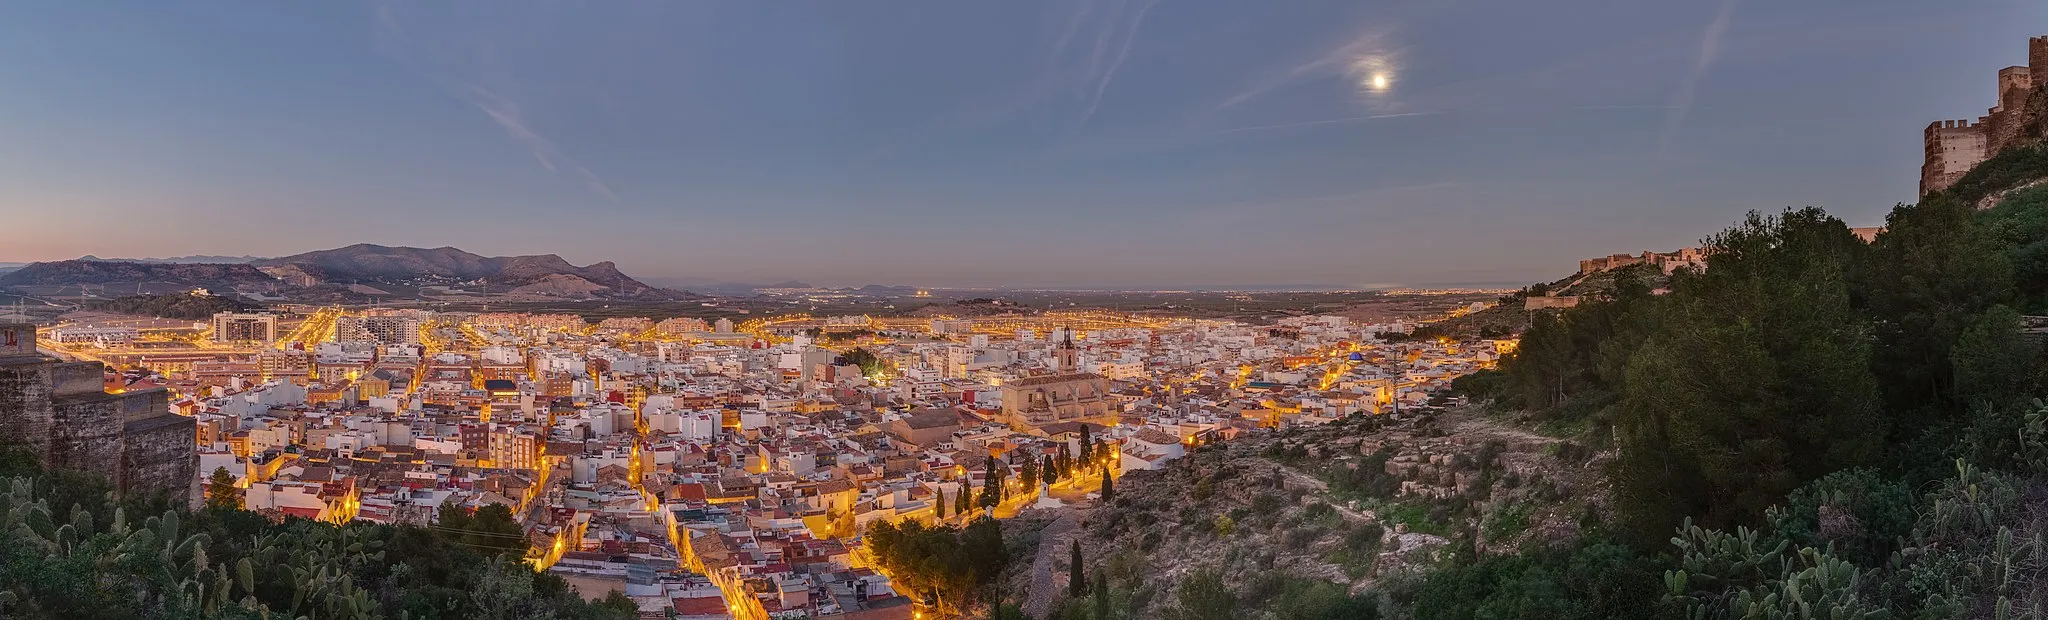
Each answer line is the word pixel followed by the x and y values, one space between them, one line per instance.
pixel 363 263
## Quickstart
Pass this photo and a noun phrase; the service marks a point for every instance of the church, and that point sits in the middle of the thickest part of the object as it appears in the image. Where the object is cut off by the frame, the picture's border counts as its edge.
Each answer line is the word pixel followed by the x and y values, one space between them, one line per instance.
pixel 1067 395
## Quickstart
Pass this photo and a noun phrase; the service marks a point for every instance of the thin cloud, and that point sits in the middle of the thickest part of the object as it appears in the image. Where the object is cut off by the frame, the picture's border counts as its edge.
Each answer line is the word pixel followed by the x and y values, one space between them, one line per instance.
pixel 1102 85
pixel 501 110
pixel 1331 121
pixel 505 113
pixel 1710 48
pixel 1371 43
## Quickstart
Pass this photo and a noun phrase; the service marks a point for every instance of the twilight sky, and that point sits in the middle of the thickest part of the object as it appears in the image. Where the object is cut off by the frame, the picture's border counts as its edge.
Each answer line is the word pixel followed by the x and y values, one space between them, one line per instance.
pixel 1130 143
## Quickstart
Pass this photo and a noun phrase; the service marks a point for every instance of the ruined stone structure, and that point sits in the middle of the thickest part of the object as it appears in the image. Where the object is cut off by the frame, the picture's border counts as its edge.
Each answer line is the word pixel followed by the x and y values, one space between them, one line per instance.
pixel 63 413
pixel 1953 147
pixel 1665 261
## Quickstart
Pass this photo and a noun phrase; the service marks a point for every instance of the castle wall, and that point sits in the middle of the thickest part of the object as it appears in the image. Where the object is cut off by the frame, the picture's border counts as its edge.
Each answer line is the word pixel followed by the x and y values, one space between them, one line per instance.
pixel 77 378
pixel 85 434
pixel 157 453
pixel 25 404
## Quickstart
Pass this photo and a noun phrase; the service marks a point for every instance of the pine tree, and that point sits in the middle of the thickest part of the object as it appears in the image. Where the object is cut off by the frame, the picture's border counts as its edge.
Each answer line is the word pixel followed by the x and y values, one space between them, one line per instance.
pixel 940 508
pixel 1077 584
pixel 1050 472
pixel 221 492
pixel 1066 461
pixel 1108 487
pixel 963 502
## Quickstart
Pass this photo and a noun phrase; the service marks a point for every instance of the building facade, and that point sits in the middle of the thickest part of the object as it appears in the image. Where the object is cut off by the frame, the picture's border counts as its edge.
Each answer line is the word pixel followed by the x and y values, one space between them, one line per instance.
pixel 256 327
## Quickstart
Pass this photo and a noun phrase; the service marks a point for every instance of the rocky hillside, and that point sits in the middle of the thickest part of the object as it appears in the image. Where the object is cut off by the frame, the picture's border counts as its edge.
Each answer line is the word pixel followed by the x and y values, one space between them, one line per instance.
pixel 1330 517
pixel 71 272
pixel 375 263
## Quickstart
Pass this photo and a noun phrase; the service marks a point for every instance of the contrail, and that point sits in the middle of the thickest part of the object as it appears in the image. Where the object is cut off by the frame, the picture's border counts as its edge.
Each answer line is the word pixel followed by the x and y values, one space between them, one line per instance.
pixel 1332 121
pixel 1710 47
pixel 1121 54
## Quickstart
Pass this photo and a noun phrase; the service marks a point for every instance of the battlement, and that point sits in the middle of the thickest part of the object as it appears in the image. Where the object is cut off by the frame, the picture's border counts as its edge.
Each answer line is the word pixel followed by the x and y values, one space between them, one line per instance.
pixel 1962 123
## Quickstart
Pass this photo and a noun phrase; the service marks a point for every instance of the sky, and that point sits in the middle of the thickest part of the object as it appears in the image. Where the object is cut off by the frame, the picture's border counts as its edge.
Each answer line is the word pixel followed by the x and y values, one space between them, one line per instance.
pixel 1053 143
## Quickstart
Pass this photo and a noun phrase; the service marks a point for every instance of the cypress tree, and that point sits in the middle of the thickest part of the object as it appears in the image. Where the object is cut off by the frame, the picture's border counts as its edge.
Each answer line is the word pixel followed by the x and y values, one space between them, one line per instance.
pixel 1108 487
pixel 1087 445
pixel 1077 584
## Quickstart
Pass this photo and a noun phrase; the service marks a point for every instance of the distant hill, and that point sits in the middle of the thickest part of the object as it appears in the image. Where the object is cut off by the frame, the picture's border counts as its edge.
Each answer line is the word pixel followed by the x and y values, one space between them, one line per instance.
pixel 69 272
pixel 548 273
pixel 182 306
pixel 216 260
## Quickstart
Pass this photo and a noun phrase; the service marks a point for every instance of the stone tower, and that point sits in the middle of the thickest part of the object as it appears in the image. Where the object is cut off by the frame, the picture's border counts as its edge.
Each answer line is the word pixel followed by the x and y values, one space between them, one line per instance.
pixel 62 412
pixel 2037 59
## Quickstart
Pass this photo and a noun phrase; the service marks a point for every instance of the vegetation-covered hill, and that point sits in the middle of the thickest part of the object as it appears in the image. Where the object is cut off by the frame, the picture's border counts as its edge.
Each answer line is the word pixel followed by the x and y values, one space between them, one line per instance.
pixel 68 550
pixel 1810 427
pixel 70 272
pixel 180 306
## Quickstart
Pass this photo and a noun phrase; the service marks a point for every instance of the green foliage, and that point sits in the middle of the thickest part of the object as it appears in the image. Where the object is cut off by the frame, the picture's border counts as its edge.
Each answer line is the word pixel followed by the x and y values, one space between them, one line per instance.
pixel 1202 595
pixel 1858 514
pixel 1595 580
pixel 92 561
pixel 1757 380
pixel 868 362
pixel 942 564
pixel 221 493
pixel 1932 274
pixel 1077 583
pixel 177 306
pixel 2019 225
pixel 1301 599
pixel 1507 521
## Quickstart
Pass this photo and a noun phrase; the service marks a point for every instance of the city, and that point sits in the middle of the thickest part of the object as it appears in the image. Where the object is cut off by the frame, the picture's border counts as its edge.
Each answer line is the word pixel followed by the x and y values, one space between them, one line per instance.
pixel 1054 310
pixel 725 469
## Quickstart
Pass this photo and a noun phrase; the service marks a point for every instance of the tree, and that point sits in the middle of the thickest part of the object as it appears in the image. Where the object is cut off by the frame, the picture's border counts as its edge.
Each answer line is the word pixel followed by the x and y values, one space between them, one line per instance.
pixel 963 501
pixel 1108 487
pixel 1077 583
pixel 221 493
pixel 1100 594
pixel 992 486
pixel 1203 596
pixel 1027 474
pixel 1065 461
pixel 939 505
pixel 1932 273
pixel 1050 470
pixel 1087 445
pixel 1757 379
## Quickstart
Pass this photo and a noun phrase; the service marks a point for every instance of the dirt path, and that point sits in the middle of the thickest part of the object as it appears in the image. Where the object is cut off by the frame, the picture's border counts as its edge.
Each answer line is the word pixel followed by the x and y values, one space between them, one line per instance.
pixel 1298 477
pixel 1046 582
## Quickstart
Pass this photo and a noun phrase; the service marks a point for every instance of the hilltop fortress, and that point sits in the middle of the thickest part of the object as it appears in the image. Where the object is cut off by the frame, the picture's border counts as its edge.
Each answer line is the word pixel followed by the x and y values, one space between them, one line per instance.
pixel 1953 147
